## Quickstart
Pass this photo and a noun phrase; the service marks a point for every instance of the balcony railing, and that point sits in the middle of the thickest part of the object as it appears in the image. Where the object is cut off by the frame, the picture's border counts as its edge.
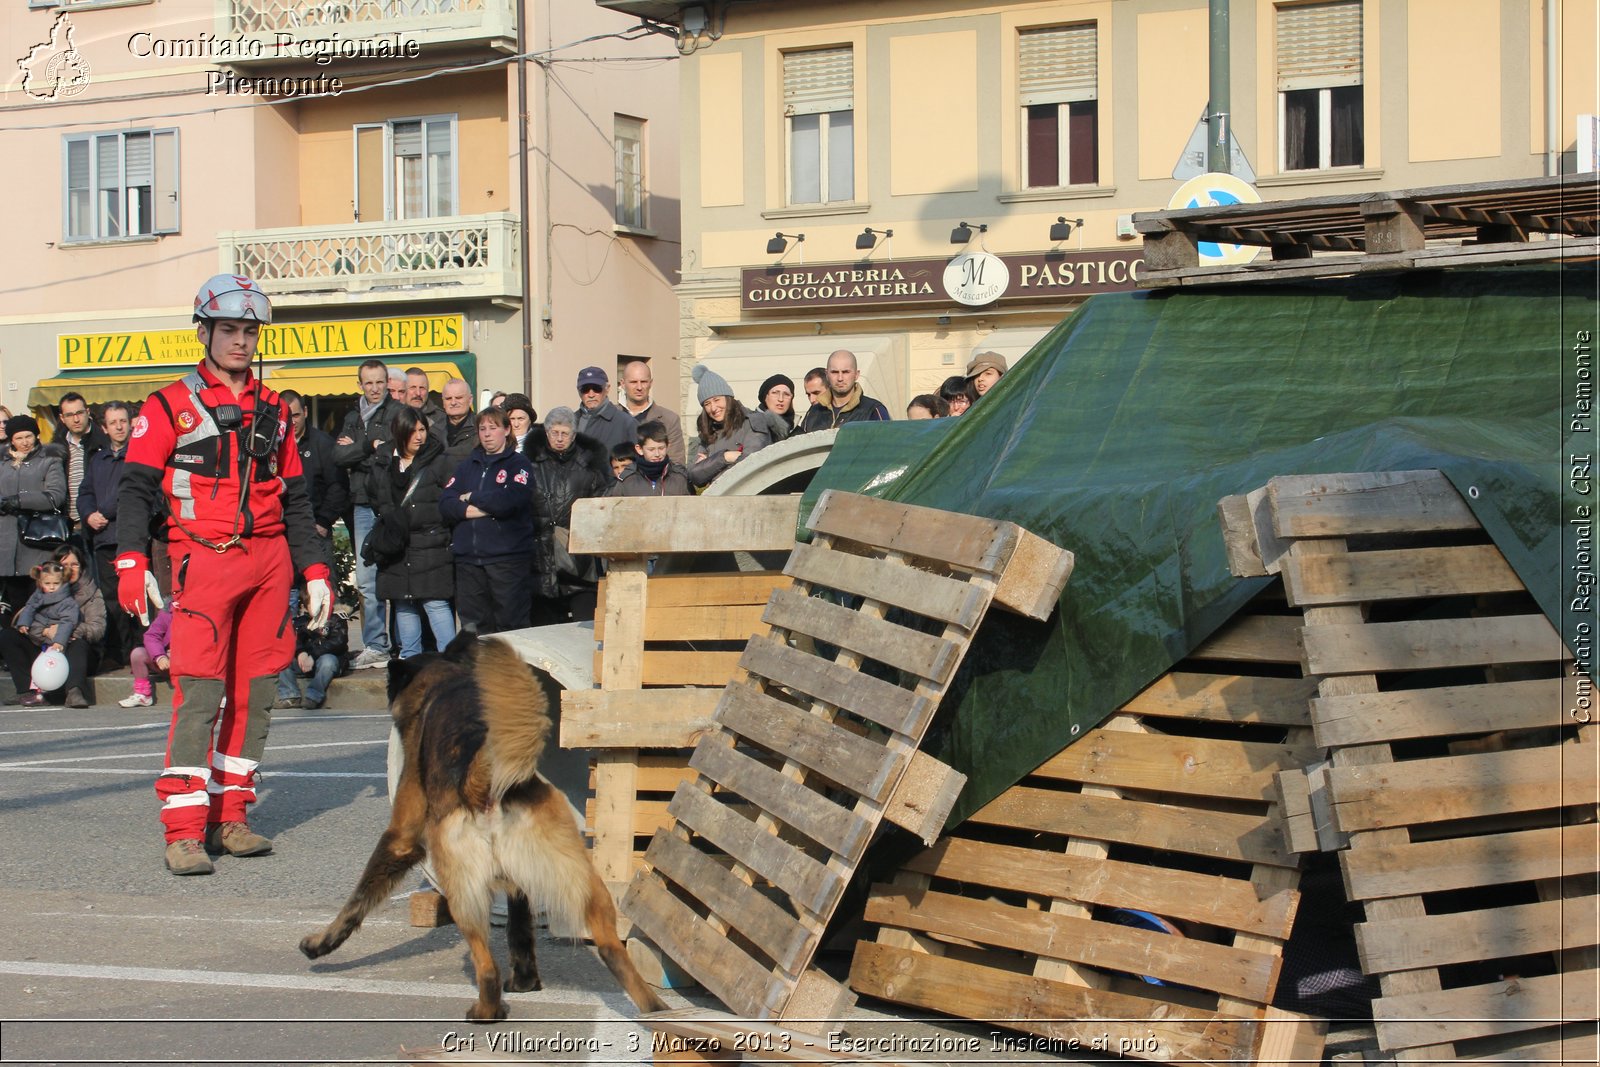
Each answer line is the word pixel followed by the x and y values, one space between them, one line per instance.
pixel 461 257
pixel 294 29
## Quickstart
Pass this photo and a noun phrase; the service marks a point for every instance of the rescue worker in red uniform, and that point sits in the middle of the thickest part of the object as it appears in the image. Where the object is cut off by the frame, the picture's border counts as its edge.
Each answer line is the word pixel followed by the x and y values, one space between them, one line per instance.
pixel 216 445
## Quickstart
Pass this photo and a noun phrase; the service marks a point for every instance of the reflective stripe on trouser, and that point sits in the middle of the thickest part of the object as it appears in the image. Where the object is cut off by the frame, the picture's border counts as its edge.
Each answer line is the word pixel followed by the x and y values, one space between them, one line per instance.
pixel 230 637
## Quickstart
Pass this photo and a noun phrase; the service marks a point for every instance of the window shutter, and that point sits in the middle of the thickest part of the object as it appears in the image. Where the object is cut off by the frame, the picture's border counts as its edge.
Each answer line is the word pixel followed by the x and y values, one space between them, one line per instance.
pixel 818 81
pixel 1058 64
pixel 77 207
pixel 164 145
pixel 138 168
pixel 408 139
pixel 108 161
pixel 1319 45
pixel 78 164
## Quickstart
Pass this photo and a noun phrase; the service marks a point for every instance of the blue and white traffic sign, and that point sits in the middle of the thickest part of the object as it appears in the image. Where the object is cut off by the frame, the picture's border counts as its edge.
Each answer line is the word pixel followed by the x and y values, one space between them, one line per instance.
pixel 1218 190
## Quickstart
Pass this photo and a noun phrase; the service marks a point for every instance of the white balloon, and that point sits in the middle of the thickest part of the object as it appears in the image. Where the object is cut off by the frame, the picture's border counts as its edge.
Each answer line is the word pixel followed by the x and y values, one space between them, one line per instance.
pixel 50 670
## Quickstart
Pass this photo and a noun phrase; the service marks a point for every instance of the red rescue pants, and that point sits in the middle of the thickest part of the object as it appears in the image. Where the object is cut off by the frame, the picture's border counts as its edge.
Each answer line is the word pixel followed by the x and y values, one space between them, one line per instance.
pixel 231 635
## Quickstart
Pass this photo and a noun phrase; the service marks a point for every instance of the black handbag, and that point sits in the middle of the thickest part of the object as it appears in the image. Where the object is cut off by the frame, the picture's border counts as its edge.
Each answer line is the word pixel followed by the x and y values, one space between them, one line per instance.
pixel 44 529
pixel 390 535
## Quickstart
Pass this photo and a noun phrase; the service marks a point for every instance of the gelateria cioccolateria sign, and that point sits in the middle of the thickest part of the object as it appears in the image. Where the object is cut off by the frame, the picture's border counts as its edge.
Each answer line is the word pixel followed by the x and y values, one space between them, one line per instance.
pixel 974 279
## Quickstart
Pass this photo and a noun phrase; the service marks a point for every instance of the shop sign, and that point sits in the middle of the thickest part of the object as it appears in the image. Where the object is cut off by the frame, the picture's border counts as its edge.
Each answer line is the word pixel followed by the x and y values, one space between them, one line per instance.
pixel 974 279
pixel 283 342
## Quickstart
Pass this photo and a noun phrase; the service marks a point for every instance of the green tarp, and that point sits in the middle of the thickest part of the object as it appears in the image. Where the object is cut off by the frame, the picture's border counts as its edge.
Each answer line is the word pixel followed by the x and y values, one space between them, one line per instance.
pixel 1118 433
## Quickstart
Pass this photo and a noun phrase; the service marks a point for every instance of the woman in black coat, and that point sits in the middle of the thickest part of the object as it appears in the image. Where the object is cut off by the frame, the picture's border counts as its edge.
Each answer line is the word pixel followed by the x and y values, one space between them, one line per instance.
pixel 567 466
pixel 422 579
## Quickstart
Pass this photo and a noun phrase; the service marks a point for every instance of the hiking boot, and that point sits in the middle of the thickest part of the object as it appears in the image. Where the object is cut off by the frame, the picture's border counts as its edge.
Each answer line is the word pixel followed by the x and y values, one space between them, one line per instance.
pixel 370 657
pixel 188 856
pixel 285 702
pixel 76 699
pixel 136 700
pixel 237 839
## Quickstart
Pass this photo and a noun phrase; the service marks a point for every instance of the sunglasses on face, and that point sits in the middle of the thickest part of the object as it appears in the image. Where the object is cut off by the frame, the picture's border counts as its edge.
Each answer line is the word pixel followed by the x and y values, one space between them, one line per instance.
pixel 586 390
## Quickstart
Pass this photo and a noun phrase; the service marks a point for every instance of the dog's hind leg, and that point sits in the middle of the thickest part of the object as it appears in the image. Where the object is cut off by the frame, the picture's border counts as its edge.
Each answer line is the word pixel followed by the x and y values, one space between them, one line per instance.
pixel 489 1007
pixel 464 861
pixel 397 852
pixel 519 938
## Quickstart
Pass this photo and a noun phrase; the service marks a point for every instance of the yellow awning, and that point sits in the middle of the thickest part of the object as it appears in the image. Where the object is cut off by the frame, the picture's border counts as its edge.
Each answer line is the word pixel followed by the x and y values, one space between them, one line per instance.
pixel 99 388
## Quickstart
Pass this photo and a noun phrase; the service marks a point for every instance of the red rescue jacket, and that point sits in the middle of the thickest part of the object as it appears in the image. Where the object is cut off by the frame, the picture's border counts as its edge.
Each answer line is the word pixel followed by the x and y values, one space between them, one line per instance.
pixel 178 450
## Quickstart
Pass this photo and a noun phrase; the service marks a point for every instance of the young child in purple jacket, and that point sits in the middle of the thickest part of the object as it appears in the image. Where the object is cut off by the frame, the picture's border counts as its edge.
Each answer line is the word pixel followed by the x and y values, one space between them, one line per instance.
pixel 154 652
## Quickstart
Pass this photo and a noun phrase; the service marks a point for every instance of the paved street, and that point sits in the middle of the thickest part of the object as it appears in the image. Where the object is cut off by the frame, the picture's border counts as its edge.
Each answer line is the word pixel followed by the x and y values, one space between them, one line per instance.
pixel 108 958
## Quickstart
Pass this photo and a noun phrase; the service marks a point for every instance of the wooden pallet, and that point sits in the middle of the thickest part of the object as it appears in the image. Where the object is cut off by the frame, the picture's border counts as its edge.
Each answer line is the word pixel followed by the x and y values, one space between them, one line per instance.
pixel 1461 791
pixel 688 646
pixel 887 598
pixel 1017 917
pixel 1475 224
pixel 654 696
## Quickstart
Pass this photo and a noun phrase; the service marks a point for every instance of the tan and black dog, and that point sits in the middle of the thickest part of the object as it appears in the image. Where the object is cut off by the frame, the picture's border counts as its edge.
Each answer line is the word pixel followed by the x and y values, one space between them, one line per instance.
pixel 474 722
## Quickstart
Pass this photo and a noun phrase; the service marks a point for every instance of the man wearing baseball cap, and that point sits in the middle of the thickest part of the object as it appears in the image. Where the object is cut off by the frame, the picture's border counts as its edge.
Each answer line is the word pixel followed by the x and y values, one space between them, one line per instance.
pixel 984 370
pixel 598 417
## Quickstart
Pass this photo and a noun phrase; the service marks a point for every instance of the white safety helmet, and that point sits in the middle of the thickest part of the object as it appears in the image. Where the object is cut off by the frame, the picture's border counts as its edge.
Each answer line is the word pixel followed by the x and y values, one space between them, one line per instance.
pixel 232 296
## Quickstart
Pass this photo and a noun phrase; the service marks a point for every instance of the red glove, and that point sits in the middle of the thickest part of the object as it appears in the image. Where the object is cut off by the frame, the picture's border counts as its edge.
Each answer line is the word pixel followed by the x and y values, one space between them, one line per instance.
pixel 136 586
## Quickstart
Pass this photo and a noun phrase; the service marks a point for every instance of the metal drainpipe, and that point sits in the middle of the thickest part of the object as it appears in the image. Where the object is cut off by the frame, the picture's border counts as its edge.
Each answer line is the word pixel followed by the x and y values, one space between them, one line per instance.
pixel 1217 114
pixel 1552 90
pixel 526 251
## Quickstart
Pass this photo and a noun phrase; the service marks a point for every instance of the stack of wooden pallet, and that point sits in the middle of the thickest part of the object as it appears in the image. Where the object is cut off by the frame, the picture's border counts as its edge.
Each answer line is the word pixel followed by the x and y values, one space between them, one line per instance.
pixel 1134 893
pixel 1461 785
pixel 817 743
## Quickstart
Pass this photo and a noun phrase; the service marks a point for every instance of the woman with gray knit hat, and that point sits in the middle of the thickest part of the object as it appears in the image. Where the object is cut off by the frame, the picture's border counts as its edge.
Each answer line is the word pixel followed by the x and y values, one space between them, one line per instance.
pixel 727 433
pixel 33 481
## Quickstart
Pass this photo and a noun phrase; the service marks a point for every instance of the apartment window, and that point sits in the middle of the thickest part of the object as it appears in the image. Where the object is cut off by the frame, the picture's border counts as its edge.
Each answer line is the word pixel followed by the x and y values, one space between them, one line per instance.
pixel 422 167
pixel 628 142
pixel 1057 82
pixel 1319 86
pixel 122 184
pixel 818 106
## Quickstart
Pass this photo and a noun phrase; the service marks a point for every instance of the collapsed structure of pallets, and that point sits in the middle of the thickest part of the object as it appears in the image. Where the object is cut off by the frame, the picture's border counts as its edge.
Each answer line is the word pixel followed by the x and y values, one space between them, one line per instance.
pixel 1397 698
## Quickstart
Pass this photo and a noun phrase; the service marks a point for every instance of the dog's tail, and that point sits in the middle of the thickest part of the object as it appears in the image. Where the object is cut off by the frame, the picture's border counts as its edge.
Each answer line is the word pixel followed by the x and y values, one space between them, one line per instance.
pixel 516 713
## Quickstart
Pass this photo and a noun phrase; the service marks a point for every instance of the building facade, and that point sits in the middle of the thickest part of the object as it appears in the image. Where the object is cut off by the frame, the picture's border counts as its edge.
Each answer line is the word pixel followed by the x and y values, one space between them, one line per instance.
pixel 364 161
pixel 1033 131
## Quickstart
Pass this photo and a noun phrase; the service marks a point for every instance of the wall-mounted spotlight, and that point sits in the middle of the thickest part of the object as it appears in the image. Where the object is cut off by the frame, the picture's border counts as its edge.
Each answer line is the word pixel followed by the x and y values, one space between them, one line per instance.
pixel 777 246
pixel 963 233
pixel 1061 229
pixel 867 239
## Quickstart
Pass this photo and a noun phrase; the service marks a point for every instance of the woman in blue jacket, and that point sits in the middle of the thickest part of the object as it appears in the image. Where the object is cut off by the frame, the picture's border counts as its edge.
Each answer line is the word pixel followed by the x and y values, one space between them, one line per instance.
pixel 489 502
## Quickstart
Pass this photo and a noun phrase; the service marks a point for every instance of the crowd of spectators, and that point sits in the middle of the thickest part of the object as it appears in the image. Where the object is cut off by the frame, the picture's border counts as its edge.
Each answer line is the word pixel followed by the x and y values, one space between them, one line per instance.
pixel 454 515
